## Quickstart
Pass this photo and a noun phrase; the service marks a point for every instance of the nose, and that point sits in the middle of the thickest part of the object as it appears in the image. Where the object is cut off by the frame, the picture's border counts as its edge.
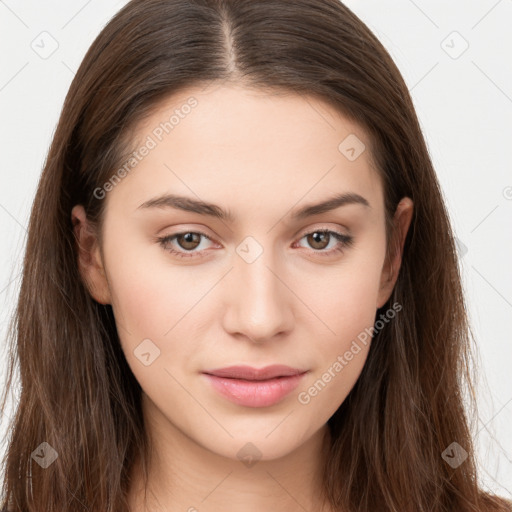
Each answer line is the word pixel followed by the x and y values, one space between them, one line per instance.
pixel 259 299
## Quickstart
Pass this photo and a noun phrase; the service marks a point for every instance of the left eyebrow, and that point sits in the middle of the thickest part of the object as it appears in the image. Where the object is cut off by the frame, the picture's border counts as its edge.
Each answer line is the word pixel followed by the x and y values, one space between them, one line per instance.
pixel 204 208
pixel 337 201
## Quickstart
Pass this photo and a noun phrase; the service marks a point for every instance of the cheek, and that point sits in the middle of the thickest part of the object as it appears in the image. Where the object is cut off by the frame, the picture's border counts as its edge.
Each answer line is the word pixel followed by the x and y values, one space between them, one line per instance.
pixel 341 354
pixel 349 311
pixel 346 296
pixel 347 306
pixel 151 298
pixel 143 298
pixel 155 310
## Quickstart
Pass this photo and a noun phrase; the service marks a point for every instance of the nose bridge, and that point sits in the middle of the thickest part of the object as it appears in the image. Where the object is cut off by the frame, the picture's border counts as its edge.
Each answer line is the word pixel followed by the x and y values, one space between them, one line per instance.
pixel 259 306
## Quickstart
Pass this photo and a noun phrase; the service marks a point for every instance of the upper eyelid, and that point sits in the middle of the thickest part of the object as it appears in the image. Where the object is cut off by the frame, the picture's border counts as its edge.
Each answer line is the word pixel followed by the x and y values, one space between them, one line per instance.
pixel 212 238
pixel 322 228
pixel 304 231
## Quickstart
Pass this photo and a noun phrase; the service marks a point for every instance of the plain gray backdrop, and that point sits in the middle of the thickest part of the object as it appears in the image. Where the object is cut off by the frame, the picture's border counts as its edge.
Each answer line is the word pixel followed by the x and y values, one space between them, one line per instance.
pixel 456 58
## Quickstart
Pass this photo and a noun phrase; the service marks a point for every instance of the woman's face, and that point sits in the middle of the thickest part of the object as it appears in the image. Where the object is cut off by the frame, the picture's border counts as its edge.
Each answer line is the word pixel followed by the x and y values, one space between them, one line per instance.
pixel 260 286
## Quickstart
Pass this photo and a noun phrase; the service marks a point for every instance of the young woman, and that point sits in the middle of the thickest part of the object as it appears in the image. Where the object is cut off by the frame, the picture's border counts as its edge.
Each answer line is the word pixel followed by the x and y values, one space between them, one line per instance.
pixel 240 288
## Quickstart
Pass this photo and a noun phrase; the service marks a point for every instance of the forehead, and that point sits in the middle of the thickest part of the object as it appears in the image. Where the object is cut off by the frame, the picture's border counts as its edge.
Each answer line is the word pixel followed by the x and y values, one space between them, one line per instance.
pixel 248 149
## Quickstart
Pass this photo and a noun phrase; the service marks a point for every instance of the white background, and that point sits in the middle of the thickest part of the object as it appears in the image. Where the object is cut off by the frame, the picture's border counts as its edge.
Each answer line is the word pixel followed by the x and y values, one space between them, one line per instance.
pixel 463 100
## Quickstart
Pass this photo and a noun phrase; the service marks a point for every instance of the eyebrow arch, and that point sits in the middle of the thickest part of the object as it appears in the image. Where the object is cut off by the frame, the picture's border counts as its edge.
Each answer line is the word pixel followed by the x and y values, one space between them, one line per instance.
pixel 203 208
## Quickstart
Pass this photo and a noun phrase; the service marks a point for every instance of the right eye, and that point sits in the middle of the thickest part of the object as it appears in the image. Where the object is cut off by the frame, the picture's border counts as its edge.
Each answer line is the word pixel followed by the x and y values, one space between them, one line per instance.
pixel 188 240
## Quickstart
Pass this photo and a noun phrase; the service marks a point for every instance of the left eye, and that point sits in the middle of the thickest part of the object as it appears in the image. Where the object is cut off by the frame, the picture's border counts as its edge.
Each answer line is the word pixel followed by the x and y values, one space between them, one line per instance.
pixel 317 238
pixel 191 240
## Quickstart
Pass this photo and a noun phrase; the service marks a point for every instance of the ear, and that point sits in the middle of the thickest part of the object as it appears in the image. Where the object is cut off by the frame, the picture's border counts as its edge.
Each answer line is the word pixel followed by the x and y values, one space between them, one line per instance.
pixel 402 221
pixel 90 262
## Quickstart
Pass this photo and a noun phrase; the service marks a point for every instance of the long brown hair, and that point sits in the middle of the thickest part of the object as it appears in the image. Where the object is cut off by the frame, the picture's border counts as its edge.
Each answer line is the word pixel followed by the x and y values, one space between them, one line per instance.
pixel 78 393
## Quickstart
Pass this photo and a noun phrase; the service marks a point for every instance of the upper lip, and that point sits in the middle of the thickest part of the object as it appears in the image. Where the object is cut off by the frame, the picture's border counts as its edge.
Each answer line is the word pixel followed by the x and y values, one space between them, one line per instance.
pixel 250 373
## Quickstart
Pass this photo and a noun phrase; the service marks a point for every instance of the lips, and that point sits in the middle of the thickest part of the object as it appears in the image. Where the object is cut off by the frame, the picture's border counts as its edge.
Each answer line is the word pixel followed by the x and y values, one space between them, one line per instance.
pixel 252 387
pixel 253 374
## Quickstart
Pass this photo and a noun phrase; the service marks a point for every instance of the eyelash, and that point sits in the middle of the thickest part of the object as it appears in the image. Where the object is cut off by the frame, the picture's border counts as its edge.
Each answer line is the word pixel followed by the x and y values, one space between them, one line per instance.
pixel 345 241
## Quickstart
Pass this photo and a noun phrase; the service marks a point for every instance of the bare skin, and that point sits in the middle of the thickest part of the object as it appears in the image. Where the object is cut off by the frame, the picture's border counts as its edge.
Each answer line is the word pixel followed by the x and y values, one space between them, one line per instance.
pixel 300 302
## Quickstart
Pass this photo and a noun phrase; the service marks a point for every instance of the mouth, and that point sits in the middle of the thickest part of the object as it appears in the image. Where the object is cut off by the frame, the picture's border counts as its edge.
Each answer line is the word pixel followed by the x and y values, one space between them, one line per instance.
pixel 251 387
pixel 255 374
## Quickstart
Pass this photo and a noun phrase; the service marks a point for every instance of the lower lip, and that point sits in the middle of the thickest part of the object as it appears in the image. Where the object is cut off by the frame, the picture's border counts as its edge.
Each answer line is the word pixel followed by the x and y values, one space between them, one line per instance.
pixel 262 393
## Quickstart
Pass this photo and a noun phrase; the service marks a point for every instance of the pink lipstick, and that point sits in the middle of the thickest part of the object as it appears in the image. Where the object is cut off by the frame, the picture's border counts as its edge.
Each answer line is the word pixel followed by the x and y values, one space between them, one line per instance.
pixel 252 387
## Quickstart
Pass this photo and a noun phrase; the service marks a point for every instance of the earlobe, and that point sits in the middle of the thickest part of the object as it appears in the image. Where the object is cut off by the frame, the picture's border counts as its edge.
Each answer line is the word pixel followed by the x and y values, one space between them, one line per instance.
pixel 89 260
pixel 402 220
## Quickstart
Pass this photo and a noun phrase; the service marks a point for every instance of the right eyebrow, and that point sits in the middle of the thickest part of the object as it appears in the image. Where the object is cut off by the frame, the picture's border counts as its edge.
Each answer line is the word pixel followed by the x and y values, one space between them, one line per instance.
pixel 188 204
